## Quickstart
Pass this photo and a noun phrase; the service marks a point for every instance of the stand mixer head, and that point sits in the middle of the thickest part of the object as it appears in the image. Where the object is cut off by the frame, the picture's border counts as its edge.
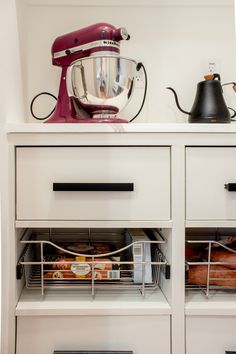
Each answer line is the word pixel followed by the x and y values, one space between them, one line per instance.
pixel 96 83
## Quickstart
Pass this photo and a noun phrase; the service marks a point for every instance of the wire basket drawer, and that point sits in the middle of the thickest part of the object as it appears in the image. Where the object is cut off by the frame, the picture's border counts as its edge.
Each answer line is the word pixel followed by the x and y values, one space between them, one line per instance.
pixel 92 260
pixel 211 265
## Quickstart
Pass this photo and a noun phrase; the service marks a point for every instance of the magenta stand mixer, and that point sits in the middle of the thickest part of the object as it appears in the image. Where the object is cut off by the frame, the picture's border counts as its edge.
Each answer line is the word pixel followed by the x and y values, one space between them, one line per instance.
pixel 96 82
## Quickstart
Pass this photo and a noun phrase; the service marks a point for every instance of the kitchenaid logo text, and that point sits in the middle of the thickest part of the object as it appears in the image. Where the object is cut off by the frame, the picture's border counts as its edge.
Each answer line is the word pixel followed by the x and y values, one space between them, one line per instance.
pixel 111 43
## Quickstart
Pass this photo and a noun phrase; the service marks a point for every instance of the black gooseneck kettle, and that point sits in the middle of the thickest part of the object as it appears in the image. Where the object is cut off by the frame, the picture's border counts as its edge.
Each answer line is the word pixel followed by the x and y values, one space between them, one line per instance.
pixel 209 105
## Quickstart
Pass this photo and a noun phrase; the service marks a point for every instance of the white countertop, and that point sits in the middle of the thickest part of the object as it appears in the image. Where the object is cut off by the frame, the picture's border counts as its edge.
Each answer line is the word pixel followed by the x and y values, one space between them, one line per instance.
pixel 120 128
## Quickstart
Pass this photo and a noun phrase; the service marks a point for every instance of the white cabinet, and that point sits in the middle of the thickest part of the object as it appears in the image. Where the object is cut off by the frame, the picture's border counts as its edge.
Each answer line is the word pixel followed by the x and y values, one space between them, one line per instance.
pixel 122 183
pixel 141 334
pixel 158 165
pixel 208 170
pixel 210 200
pixel 76 183
pixel 210 334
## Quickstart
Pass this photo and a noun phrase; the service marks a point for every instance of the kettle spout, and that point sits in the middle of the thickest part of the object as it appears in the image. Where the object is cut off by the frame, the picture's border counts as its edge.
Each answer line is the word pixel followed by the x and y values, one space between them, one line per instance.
pixel 177 100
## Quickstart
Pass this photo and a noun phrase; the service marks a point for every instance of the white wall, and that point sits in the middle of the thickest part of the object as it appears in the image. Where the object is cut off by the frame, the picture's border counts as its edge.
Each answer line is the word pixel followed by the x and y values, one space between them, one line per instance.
pixel 11 108
pixel 11 100
pixel 174 42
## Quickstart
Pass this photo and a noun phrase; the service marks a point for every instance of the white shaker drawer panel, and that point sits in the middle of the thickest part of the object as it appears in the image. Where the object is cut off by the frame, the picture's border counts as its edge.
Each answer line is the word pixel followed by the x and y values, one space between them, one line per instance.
pixel 146 170
pixel 140 334
pixel 208 170
pixel 210 335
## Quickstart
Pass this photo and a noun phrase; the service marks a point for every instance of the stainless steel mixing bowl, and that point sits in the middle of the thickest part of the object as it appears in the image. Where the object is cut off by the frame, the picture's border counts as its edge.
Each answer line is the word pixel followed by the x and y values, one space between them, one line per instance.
pixel 102 84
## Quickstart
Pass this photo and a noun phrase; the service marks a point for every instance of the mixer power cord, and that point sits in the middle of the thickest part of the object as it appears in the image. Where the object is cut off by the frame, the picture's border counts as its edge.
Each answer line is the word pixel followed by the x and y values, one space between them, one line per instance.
pixel 139 66
pixel 32 103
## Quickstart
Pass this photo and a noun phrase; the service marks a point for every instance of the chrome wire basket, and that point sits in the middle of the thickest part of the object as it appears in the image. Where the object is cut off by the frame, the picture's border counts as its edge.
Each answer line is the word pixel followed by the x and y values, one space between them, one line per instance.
pixel 213 272
pixel 117 267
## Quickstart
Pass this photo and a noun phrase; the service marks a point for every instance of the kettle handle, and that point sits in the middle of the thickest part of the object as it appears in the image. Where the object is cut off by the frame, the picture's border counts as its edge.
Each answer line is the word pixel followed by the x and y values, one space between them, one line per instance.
pixel 234 88
pixel 234 114
pixel 231 83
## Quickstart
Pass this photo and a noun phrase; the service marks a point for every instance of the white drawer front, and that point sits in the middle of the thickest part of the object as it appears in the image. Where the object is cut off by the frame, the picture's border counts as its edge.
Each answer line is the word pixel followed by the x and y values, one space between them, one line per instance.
pixel 207 171
pixel 210 335
pixel 148 168
pixel 141 334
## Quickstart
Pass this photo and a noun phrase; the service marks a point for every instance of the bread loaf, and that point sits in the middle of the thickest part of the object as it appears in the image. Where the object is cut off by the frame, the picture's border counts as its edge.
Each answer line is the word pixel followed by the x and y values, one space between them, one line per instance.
pixel 219 275
pixel 224 256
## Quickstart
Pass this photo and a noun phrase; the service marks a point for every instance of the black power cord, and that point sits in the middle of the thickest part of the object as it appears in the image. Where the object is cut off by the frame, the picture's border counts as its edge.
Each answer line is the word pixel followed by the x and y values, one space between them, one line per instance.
pixel 32 102
pixel 139 66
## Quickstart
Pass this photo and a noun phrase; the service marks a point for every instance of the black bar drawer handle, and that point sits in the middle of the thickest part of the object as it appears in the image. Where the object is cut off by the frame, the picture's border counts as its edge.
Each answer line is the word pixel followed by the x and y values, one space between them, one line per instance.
pixel 93 187
pixel 92 352
pixel 231 187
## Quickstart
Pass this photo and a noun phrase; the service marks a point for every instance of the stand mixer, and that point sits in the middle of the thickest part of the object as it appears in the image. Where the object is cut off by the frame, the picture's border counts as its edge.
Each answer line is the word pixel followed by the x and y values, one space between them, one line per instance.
pixel 96 82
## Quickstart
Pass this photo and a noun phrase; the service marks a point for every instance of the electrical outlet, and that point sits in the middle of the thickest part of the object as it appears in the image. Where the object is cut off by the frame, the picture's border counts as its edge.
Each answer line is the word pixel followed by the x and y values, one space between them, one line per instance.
pixel 139 80
pixel 213 66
